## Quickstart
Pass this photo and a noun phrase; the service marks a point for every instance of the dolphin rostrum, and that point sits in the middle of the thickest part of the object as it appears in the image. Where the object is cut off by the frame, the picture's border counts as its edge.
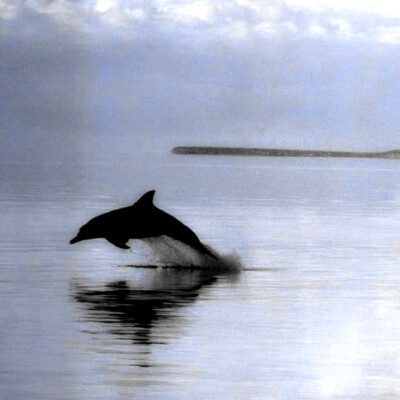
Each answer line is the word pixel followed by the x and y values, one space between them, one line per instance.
pixel 139 221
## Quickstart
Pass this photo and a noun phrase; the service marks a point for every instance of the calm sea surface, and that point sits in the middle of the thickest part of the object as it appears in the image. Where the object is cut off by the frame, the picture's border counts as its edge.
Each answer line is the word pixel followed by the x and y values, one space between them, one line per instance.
pixel 314 313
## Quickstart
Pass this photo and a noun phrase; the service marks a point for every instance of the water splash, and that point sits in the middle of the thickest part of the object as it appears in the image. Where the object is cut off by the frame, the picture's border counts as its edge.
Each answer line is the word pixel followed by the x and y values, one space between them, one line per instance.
pixel 168 252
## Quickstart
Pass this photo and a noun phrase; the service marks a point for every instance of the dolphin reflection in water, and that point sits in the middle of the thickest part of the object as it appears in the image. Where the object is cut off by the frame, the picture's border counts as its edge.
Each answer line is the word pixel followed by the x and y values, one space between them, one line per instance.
pixel 142 220
pixel 146 313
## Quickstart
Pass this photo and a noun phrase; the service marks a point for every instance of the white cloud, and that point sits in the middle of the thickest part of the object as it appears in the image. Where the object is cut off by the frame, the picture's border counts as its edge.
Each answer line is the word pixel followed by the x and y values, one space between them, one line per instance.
pixel 199 10
pixel 382 7
pixel 135 14
pixel 239 20
pixel 9 10
pixel 268 29
pixel 388 34
pixel 316 29
pixel 238 30
pixel 104 5
pixel 343 27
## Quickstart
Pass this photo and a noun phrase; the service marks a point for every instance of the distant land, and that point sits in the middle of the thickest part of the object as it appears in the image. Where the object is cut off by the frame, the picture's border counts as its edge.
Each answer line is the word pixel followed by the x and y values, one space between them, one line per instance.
pixel 249 151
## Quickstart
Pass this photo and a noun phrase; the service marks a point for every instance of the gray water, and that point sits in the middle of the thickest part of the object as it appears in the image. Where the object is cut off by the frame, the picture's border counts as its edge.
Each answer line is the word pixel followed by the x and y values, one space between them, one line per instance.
pixel 314 312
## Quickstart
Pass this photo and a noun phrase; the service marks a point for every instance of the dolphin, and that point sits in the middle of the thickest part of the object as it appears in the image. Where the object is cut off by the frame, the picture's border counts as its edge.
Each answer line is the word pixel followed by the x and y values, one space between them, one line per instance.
pixel 139 221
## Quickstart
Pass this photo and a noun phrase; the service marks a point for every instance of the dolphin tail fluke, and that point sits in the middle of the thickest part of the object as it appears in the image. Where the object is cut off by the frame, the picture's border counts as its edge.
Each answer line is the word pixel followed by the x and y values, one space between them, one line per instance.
pixel 203 249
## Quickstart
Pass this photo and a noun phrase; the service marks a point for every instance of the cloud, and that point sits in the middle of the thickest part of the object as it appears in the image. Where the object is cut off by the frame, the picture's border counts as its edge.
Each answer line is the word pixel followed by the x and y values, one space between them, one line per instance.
pixel 387 8
pixel 229 19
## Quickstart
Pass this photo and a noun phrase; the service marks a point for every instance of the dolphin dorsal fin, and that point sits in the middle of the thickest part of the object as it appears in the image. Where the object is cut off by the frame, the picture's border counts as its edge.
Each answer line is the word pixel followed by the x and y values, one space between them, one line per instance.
pixel 146 199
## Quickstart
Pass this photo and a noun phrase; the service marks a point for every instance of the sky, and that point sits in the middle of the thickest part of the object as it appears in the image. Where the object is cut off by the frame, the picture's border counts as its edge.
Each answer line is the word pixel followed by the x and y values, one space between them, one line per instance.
pixel 109 76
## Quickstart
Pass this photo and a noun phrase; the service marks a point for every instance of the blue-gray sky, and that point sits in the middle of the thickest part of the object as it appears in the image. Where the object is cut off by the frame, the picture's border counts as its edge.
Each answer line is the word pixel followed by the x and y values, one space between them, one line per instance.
pixel 85 75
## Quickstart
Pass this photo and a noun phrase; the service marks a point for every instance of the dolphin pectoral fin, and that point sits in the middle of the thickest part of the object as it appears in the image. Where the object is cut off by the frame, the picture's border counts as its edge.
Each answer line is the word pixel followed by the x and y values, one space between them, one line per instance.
pixel 119 242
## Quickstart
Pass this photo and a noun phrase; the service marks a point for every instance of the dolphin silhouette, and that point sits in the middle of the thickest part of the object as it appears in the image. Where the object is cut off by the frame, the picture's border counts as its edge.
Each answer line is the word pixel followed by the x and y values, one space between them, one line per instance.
pixel 139 221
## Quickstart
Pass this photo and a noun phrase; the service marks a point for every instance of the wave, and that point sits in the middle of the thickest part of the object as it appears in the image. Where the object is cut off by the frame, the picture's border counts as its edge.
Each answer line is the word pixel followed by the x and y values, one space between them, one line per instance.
pixel 167 252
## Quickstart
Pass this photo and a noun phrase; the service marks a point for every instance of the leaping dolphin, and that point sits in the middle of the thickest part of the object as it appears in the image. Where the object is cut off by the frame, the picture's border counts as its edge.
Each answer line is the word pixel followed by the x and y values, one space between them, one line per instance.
pixel 141 220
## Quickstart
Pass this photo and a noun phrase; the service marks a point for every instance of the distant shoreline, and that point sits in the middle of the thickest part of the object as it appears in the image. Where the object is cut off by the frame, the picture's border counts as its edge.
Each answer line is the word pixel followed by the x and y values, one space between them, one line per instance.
pixel 247 151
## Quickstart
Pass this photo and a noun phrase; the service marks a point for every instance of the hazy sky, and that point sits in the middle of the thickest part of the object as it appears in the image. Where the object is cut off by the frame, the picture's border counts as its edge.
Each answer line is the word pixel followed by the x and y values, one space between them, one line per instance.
pixel 79 76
